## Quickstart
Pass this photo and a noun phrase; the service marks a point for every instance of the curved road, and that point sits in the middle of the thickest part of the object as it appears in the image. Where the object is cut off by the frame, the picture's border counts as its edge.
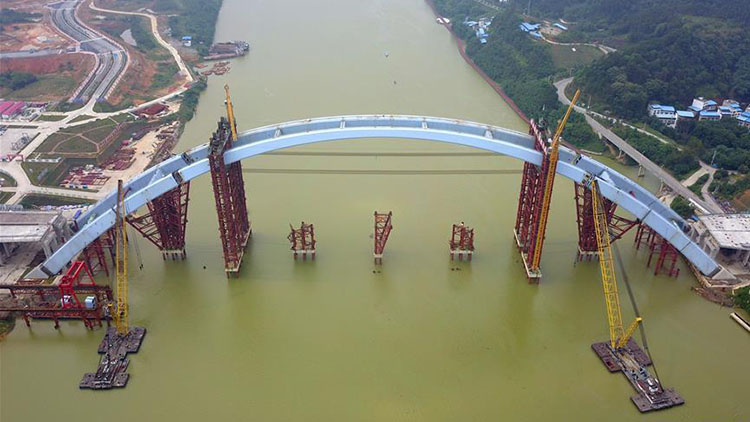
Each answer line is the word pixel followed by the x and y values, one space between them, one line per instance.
pixel 633 153
pixel 111 59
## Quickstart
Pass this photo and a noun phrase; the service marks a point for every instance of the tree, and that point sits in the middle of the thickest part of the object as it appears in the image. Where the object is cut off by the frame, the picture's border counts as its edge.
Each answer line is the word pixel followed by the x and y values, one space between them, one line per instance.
pixel 682 207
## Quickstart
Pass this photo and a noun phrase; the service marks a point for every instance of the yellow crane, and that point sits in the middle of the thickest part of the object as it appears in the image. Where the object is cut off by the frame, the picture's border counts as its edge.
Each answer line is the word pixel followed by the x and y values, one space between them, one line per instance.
pixel 554 153
pixel 618 336
pixel 120 313
pixel 230 113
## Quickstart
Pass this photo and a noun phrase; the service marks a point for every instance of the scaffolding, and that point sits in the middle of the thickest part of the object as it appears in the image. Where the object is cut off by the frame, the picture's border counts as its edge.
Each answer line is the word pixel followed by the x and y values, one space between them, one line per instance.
pixel 462 242
pixel 302 240
pixel 383 229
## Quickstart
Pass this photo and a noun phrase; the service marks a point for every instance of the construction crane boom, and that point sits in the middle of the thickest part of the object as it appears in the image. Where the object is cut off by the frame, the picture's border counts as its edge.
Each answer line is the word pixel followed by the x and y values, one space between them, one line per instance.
pixel 230 113
pixel 120 314
pixel 618 336
pixel 554 153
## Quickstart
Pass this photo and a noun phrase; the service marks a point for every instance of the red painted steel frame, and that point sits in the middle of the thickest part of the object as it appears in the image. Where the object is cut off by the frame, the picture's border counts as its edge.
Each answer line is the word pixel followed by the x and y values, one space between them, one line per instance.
pixel 462 242
pixel 165 223
pixel 666 254
pixel 617 225
pixel 530 203
pixel 383 229
pixel 303 240
pixel 229 194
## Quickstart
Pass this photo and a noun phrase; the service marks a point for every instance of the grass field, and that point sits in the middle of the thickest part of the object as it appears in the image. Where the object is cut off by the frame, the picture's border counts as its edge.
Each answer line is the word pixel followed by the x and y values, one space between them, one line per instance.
pixel 5 196
pixel 565 58
pixel 36 200
pixel 81 118
pixel 7 180
pixel 49 87
pixel 81 138
pixel 50 118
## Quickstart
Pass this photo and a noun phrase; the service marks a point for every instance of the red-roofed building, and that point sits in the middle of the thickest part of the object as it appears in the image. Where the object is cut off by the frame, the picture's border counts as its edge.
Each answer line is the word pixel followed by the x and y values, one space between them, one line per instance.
pixel 151 110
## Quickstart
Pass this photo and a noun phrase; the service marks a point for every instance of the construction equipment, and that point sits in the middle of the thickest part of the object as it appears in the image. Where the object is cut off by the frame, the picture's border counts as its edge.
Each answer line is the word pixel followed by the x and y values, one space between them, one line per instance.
pixel 622 353
pixel 120 313
pixel 230 113
pixel 123 339
pixel 618 336
pixel 554 154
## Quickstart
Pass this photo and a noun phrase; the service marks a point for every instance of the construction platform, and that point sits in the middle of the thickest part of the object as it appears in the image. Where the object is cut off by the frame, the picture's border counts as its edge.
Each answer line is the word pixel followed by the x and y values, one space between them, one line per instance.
pixel 113 365
pixel 632 362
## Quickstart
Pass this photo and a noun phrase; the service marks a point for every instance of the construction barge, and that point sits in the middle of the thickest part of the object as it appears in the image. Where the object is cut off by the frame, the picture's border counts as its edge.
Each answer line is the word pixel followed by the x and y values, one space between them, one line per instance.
pixel 227 50
pixel 632 361
pixel 113 365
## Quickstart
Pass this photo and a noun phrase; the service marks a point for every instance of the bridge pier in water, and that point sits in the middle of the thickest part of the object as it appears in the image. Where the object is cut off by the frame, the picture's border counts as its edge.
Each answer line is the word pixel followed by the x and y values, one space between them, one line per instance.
pixel 529 211
pixel 229 195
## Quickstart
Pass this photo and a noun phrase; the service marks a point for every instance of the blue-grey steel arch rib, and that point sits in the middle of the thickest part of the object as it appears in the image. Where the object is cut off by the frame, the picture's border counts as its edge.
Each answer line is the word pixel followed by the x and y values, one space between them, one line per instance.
pixel 193 163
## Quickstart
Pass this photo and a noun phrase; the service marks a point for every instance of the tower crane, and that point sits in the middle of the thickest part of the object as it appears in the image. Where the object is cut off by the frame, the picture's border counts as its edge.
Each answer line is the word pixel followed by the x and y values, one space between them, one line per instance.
pixel 120 313
pixel 554 154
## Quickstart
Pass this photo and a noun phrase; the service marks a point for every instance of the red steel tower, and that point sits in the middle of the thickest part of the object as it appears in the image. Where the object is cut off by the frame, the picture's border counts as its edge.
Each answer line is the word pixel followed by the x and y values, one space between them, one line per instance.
pixel 164 224
pixel 666 254
pixel 383 229
pixel 530 203
pixel 462 242
pixel 302 240
pixel 617 225
pixel 229 194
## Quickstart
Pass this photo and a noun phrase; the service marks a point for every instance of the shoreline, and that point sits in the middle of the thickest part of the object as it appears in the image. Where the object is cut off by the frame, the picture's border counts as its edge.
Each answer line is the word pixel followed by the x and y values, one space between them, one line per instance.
pixel 495 86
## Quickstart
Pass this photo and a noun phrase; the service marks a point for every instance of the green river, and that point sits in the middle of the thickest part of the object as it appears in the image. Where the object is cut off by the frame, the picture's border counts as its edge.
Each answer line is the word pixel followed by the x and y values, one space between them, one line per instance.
pixel 423 339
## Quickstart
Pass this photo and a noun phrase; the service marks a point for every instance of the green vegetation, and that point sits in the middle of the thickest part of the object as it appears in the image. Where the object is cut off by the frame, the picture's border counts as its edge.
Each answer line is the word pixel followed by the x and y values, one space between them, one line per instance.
pixel 6 324
pixel 140 29
pixel 37 200
pixel 14 16
pixel 197 18
pixel 682 207
pixel 742 298
pixel 45 174
pixel 698 185
pixel 45 86
pixel 680 163
pixel 6 180
pixel 671 50
pixel 729 187
pixel 16 80
pixel 81 118
pixel 165 72
pixel 564 57
pixel 730 142
pixel 190 101
pixel 50 117
pixel 5 196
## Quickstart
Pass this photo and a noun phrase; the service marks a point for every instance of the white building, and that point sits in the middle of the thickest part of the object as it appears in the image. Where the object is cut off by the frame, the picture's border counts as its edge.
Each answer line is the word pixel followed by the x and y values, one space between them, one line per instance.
pixel 727 235
pixel 666 114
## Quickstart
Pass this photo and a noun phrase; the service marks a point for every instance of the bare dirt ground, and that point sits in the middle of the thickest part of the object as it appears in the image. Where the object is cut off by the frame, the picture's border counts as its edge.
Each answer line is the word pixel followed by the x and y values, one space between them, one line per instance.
pixel 31 35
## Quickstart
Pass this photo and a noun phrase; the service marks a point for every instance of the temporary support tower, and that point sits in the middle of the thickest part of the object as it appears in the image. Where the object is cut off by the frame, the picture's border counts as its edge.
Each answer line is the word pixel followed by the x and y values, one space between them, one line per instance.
pixel 383 229
pixel 535 197
pixel 666 254
pixel 229 193
pixel 462 242
pixel 302 240
pixel 617 225
pixel 164 224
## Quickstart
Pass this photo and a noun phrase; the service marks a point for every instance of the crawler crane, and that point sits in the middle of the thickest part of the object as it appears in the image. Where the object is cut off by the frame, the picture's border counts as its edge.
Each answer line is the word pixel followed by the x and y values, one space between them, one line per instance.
pixel 622 353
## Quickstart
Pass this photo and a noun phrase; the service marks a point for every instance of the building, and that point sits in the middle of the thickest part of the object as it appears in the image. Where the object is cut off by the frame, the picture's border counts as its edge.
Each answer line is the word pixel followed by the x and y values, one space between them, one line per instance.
pixel 11 109
pixel 744 119
pixel 709 115
pixel 561 26
pixel 151 111
pixel 702 104
pixel 187 41
pixel 683 115
pixel 724 236
pixel 529 27
pixel 666 114
pixel 31 231
pixel 726 111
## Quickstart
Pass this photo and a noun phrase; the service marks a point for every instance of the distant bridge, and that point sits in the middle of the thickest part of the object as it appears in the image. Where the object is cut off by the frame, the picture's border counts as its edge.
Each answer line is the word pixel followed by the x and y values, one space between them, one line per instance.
pixel 170 175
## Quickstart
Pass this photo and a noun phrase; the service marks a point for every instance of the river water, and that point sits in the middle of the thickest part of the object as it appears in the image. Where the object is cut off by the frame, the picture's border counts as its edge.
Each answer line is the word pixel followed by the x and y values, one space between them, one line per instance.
pixel 421 339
